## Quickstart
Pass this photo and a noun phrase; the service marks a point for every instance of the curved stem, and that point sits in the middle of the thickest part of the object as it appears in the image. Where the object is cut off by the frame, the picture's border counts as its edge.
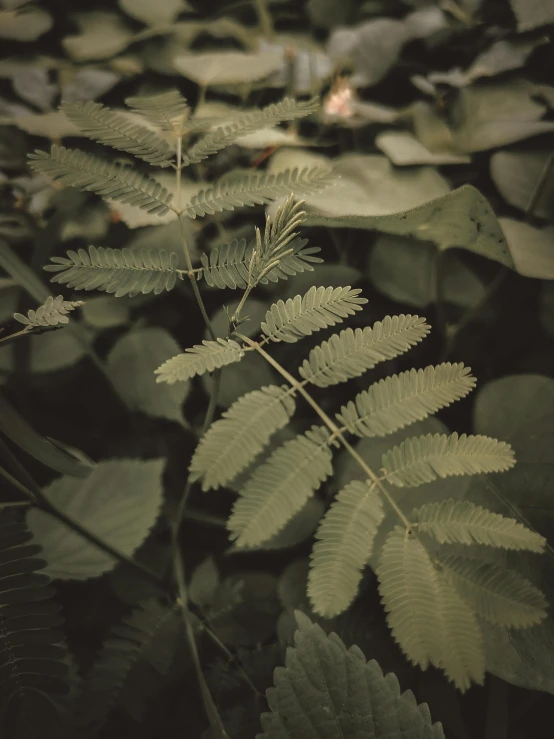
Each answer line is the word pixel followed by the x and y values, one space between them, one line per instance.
pixel 331 425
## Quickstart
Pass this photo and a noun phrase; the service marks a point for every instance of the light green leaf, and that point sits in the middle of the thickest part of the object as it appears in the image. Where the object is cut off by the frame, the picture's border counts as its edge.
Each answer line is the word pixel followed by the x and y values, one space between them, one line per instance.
pixel 504 55
pixel 204 583
pixel 516 174
pixel 532 13
pixel 132 363
pixel 53 125
pixel 403 149
pixel 24 24
pixel 104 311
pixel 198 359
pixel 531 248
pixel 119 502
pixel 226 67
pixel 158 13
pixel 496 594
pixel 250 374
pixel 102 35
pixel 54 351
pixel 327 690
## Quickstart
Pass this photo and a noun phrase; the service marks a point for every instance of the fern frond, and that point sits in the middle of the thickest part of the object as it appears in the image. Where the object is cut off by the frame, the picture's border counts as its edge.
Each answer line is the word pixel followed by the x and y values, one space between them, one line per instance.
pixel 117 271
pixel 425 458
pixel 399 400
pixel 231 443
pixel 287 110
pixel 198 359
pixel 345 542
pixel 319 308
pixel 51 313
pixel 427 617
pixel 168 110
pixel 227 266
pixel 459 521
pixel 499 595
pixel 258 189
pixel 32 658
pixel 129 670
pixel 280 487
pixel 106 127
pixel 351 353
pixel 111 180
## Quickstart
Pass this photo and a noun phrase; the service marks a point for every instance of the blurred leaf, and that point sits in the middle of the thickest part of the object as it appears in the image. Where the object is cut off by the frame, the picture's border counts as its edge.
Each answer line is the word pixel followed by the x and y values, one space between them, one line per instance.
pixel 531 248
pixel 226 67
pixel 87 83
pixel 90 223
pixel 503 56
pixel 329 275
pixel 52 125
pixel 55 350
pixel 102 35
pixel 329 13
pixel 25 24
pixel 9 299
pixel 254 310
pixel 153 12
pixel 301 526
pixel 532 13
pixel 516 174
pixel 34 86
pixel 131 364
pixel 12 148
pixel 293 585
pixel 204 583
pixel 105 311
pixel 251 374
pixel 309 63
pixel 403 149
pixel 252 620
pixel 119 502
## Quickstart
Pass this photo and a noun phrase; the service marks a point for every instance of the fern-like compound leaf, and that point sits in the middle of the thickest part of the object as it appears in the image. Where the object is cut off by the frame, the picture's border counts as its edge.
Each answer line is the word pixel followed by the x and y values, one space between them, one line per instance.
pixel 345 542
pixel 327 691
pixel 426 458
pixel 167 110
pixel 205 357
pixel 459 521
pixel 32 658
pixel 427 617
pixel 231 443
pixel 280 487
pixel 223 136
pixel 319 308
pixel 111 180
pixel 258 189
pixel 350 353
pixel 112 129
pixel 118 271
pixel 51 313
pixel 129 670
pixel 399 400
pixel 499 595
pixel 227 266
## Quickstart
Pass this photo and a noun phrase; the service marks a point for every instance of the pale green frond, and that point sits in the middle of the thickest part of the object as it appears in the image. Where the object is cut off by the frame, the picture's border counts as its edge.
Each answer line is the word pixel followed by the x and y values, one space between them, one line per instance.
pixel 106 127
pixel 425 458
pixel 345 542
pixel 351 352
pixel 51 313
pixel 118 271
pixel 327 691
pixel 231 443
pixel 130 669
pixel 167 110
pixel 499 595
pixel 280 487
pixel 459 521
pixel 427 617
pixel 32 656
pixel 205 357
pixel 399 400
pixel 319 308
pixel 287 110
pixel 258 189
pixel 111 180
pixel 227 266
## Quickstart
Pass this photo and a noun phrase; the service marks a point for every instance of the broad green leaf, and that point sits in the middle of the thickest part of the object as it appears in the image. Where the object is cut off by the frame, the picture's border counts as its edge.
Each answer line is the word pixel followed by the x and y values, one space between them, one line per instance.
pixel 503 56
pixel 403 149
pixel 131 364
pixel 119 502
pixel 204 583
pixel 86 83
pixel 24 24
pixel 237 379
pixel 156 13
pixel 33 85
pixel 105 311
pixel 102 35
pixel 327 691
pixel 53 125
pixel 531 248
pixel 532 13
pixel 226 67
pixel 516 174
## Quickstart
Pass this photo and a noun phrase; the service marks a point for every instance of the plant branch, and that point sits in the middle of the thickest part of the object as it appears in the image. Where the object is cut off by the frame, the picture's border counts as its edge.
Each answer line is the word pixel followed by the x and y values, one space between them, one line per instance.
pixel 331 425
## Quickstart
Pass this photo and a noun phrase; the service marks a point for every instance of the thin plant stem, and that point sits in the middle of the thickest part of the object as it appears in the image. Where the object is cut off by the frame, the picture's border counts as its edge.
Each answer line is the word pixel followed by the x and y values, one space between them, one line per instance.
pixel 537 192
pixel 23 332
pixel 231 657
pixel 19 486
pixel 331 425
pixel 264 19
